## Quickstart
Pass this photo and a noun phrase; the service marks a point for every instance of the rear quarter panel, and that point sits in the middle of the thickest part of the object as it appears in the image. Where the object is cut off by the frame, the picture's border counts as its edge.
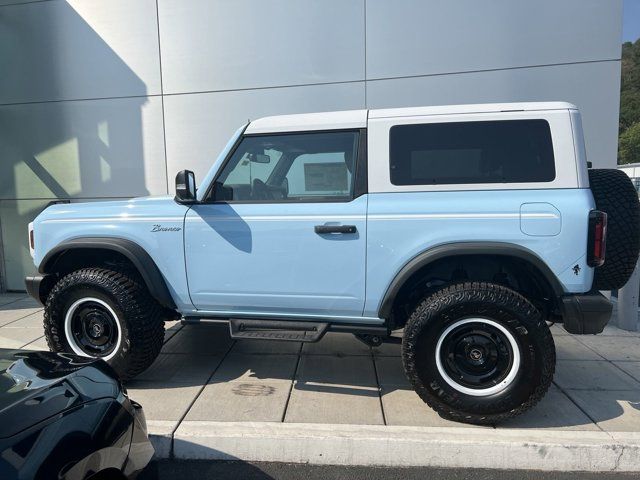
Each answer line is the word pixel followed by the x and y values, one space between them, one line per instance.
pixel 402 225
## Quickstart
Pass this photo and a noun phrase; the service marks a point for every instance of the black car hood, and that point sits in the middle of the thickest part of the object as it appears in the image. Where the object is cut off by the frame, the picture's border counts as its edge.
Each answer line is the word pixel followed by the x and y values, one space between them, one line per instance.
pixel 37 385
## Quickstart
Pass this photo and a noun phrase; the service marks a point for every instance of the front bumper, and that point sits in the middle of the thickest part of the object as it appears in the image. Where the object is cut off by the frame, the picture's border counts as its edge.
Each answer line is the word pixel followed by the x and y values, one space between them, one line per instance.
pixel 586 314
pixel 141 451
pixel 33 284
pixel 39 286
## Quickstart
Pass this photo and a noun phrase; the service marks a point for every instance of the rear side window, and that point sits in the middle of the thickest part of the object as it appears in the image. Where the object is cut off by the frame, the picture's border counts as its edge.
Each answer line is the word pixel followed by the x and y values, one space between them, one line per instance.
pixel 506 151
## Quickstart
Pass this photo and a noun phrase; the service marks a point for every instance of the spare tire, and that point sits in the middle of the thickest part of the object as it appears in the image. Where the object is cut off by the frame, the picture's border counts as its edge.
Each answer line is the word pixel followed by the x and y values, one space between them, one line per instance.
pixel 615 195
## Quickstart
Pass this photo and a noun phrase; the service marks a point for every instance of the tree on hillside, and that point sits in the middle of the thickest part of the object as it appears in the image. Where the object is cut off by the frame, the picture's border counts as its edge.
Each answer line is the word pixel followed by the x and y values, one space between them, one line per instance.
pixel 629 127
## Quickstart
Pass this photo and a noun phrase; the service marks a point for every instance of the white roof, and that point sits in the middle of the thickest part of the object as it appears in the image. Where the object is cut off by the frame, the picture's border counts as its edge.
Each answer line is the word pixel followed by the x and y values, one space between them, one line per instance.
pixel 358 118
pixel 309 121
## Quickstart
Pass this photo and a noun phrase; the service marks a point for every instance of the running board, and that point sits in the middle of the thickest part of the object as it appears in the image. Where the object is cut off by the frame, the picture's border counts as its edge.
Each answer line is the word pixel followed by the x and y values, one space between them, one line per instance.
pixel 286 330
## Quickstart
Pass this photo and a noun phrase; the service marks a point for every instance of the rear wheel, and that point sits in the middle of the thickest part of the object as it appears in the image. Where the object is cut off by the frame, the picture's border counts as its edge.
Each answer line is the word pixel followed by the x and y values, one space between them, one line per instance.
pixel 478 353
pixel 105 314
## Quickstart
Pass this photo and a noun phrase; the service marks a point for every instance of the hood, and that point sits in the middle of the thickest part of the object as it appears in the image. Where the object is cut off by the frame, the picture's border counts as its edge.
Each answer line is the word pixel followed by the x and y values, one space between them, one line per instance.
pixel 37 385
pixel 133 204
pixel 113 210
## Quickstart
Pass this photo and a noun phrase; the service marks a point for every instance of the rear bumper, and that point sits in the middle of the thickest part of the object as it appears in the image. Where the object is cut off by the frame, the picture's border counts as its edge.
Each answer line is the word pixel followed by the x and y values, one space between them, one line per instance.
pixel 586 314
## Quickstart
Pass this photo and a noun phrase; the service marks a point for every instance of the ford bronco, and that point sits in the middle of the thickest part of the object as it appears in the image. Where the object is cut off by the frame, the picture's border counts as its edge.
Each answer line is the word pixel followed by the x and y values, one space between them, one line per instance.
pixel 471 228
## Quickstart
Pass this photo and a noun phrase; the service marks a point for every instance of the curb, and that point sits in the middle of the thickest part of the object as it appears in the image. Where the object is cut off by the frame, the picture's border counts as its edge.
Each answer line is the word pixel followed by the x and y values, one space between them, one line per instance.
pixel 594 451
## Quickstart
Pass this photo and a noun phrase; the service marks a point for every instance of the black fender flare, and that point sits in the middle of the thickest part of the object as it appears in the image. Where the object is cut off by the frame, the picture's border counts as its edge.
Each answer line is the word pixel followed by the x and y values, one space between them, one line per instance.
pixel 137 255
pixel 465 248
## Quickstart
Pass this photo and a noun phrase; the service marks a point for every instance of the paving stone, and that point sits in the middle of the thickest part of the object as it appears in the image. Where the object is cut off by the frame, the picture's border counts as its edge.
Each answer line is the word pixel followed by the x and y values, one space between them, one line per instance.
pixel 632 368
pixel 557 329
pixel 11 315
pixel 613 331
pixel 38 344
pixel 266 347
pixel 210 339
pixel 242 401
pixel 162 401
pixel 596 375
pixel 554 412
pixel 614 348
pixel 254 368
pixel 403 406
pixel 568 348
pixel 391 372
pixel 613 411
pixel 18 337
pixel 339 344
pixel 348 371
pixel 334 404
pixel 181 368
pixel 7 298
pixel 388 350
pixel 170 329
pixel 27 302
pixel 33 320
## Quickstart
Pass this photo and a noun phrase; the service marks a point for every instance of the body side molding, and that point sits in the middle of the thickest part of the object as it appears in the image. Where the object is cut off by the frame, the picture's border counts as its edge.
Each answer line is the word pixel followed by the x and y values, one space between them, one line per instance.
pixel 464 248
pixel 137 255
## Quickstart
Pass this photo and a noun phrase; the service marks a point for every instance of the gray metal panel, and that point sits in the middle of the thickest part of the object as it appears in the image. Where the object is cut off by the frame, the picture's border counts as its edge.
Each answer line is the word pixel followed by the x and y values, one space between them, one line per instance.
pixel 13 2
pixel 227 45
pixel 90 148
pixel 199 125
pixel 78 49
pixel 592 87
pixel 418 37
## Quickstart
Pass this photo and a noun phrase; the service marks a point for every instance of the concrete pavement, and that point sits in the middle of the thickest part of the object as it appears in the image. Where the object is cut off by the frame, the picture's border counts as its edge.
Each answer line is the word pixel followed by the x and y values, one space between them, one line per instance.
pixel 339 401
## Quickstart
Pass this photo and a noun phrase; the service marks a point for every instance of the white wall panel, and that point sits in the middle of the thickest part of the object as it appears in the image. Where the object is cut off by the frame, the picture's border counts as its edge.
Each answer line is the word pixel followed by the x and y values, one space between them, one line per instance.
pixel 593 87
pixel 198 126
pixel 227 45
pixel 91 148
pixel 58 50
pixel 418 37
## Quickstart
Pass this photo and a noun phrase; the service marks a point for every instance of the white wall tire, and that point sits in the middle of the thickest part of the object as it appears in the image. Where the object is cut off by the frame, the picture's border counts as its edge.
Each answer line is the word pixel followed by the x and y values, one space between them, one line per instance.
pixel 137 319
pixel 480 392
pixel 504 344
pixel 71 337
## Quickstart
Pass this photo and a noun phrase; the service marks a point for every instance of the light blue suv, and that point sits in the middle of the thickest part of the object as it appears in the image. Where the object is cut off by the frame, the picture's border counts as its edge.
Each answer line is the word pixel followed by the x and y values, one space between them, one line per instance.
pixel 470 227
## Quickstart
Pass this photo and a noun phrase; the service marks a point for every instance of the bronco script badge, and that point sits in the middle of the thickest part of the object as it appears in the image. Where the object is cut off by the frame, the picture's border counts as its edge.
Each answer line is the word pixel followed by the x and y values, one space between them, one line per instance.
pixel 161 228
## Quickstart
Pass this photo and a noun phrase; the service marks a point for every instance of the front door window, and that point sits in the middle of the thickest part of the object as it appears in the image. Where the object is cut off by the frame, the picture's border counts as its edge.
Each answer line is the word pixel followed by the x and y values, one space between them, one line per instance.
pixel 296 167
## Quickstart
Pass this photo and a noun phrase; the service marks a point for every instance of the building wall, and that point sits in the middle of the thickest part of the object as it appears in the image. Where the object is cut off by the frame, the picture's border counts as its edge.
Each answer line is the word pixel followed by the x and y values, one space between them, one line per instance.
pixel 110 98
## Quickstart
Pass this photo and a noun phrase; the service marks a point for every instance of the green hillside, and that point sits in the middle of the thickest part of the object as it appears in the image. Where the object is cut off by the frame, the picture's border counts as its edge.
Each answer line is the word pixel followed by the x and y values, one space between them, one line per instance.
pixel 629 140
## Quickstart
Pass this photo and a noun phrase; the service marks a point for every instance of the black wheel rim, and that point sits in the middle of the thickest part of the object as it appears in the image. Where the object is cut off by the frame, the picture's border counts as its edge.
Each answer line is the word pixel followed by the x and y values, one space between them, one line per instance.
pixel 476 355
pixel 94 329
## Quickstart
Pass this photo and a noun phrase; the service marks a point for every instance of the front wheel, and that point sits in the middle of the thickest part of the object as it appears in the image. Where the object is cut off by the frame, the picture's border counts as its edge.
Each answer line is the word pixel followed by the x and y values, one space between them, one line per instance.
pixel 105 314
pixel 478 353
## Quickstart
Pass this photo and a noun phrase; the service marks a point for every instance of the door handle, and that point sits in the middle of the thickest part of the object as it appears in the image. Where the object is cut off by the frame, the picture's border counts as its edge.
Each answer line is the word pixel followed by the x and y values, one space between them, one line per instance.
pixel 320 229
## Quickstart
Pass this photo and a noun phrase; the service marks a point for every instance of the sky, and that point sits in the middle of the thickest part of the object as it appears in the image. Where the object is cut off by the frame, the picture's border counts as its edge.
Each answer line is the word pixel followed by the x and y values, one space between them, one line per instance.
pixel 631 21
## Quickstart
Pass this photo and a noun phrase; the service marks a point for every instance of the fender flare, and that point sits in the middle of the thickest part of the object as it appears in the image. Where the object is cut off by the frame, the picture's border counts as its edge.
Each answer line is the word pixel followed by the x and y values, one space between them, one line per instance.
pixel 464 248
pixel 137 255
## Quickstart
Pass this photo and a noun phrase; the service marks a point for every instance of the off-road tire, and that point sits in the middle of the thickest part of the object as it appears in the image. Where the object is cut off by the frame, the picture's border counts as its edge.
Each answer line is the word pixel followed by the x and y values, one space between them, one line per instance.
pixel 501 305
pixel 141 317
pixel 615 195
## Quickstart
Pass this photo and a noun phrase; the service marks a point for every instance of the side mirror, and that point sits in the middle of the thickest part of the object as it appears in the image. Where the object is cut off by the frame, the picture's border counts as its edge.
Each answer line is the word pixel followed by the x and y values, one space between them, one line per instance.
pixel 185 187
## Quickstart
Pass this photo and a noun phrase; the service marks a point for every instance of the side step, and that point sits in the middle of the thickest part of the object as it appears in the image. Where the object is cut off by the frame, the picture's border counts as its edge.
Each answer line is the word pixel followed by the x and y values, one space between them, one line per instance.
pixel 277 330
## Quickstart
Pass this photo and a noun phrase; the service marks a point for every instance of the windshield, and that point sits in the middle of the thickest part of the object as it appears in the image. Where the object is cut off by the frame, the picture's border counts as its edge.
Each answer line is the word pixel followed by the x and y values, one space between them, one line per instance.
pixel 202 189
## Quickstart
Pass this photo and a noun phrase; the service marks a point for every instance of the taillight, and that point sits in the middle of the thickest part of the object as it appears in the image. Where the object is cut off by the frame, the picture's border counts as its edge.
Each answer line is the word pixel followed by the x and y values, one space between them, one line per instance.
pixel 597 238
pixel 32 243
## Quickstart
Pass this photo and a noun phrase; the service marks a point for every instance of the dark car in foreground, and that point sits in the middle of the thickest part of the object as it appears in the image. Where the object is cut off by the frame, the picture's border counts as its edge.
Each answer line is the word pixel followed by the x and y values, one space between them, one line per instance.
pixel 67 417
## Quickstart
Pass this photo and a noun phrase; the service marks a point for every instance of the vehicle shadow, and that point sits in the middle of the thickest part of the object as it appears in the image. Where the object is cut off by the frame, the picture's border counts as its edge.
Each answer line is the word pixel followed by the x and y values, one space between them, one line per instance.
pixel 342 366
pixel 229 468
